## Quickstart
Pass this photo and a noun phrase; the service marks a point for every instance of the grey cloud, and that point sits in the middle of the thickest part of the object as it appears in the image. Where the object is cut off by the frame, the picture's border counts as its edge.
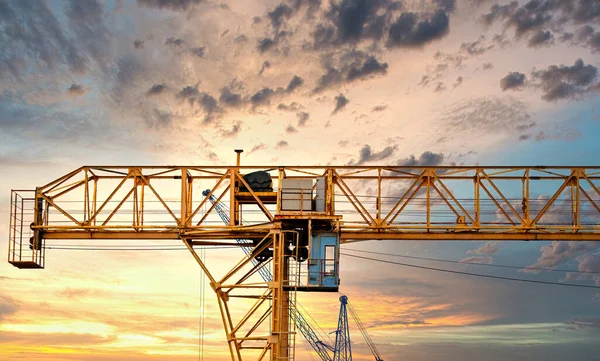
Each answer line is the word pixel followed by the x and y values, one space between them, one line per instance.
pixel 241 38
pixel 478 259
pixel 458 82
pixel 302 118
pixel 265 44
pixel 277 16
pixel 198 51
pixel 262 97
pixel 258 147
pixel 156 89
pixel 351 21
pixel 291 129
pixel 30 35
pixel 367 155
pixel 235 130
pixel 295 83
pixel 476 47
pixel 210 106
pixel 265 65
pixel 158 119
pixel 174 5
pixel 448 5
pixel 76 90
pixel 440 87
pixel 351 66
pixel 560 82
pixel 8 306
pixel 590 265
pixel 138 44
pixel 282 144
pixel 487 66
pixel 488 248
pixel 174 41
pixel 409 31
pixel 189 92
pixel 290 107
pixel 86 19
pixel 486 114
pixel 536 15
pixel 426 159
pixel 230 98
pixel 340 103
pixel 379 108
pixel 128 70
pixel 512 81
pixel 558 252
pixel 540 38
pixel 369 67
pixel 584 32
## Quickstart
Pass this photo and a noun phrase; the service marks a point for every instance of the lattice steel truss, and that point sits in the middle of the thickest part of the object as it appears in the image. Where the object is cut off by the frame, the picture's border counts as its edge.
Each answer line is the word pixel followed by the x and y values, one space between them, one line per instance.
pixel 361 203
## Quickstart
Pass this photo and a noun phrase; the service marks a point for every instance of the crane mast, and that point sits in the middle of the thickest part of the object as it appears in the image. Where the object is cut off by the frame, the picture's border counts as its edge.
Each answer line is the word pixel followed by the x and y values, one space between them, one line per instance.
pixel 298 214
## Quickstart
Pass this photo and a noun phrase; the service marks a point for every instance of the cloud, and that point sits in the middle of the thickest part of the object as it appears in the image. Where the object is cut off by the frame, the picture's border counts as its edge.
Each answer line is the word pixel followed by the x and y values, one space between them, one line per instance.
pixel 190 93
pixel 76 90
pixel 210 106
pixel 281 144
pixel 458 82
pixel 367 155
pixel 22 24
pixel 294 84
pixel 235 130
pixel 138 44
pixel 262 97
pixel 478 259
pixel 340 103
pixel 258 147
pixel 156 89
pixel 487 66
pixel 174 5
pixel 277 16
pixel 448 5
pixel 86 20
pixel 537 16
pixel 265 65
pixel 488 248
pixel 379 108
pixel 350 66
pixel 158 119
pixel 541 38
pixel 426 159
pixel 590 264
pixel 174 41
pixel 198 51
pixel 566 82
pixel 8 306
pixel 302 118
pixel 265 44
pixel 476 47
pixel 559 252
pixel 408 31
pixel 488 114
pixel 352 21
pixel 290 129
pixel 513 80
pixel 292 107
pixel 229 98
pixel 369 67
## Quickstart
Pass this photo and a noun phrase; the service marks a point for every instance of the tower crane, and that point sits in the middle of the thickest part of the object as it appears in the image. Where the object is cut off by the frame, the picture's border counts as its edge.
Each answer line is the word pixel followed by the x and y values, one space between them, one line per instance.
pixel 342 350
pixel 302 214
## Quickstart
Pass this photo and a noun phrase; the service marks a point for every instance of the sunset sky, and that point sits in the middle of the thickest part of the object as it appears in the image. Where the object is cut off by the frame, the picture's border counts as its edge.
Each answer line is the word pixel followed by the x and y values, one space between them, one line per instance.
pixel 299 82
